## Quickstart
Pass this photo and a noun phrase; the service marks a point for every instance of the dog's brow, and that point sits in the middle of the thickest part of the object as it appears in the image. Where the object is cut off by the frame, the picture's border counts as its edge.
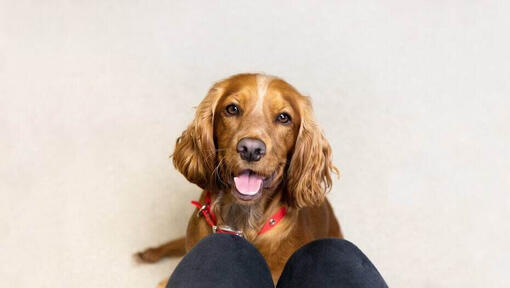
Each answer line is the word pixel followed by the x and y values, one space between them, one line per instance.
pixel 262 85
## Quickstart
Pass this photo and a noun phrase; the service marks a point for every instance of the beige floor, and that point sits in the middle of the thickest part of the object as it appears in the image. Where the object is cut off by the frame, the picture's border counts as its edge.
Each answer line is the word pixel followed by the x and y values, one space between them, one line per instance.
pixel 414 97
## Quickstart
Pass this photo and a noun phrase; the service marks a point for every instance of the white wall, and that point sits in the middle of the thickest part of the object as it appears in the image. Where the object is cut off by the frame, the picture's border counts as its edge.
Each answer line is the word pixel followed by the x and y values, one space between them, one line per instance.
pixel 413 96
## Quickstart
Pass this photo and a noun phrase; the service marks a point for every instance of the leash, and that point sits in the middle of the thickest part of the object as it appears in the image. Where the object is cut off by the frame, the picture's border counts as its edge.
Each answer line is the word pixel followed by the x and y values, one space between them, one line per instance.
pixel 204 210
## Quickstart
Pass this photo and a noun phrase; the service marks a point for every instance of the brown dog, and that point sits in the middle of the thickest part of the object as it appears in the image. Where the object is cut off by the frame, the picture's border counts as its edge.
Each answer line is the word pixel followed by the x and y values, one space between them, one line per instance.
pixel 265 165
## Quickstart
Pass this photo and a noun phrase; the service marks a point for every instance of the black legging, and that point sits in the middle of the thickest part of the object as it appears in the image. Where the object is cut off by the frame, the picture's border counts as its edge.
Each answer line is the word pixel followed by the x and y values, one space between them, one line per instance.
pixel 223 260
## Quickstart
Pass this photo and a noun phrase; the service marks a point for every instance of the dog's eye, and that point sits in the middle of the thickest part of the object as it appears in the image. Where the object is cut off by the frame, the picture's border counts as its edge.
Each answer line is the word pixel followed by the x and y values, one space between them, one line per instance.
pixel 232 110
pixel 283 118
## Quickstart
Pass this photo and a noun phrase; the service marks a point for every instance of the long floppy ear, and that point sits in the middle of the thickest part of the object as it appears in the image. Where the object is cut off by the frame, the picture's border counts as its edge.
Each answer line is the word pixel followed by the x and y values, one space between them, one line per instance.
pixel 195 153
pixel 309 172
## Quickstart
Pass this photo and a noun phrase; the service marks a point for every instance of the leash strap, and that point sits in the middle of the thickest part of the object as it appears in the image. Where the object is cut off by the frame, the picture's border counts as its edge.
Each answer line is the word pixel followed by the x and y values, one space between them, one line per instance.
pixel 204 210
pixel 274 220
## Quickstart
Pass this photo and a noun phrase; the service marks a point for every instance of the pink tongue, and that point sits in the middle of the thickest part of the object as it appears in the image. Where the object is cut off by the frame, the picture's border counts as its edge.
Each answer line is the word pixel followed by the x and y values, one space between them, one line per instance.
pixel 248 183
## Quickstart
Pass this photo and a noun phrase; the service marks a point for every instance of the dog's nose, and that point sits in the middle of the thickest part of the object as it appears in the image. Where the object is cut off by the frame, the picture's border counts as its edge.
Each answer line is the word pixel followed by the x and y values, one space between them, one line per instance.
pixel 251 149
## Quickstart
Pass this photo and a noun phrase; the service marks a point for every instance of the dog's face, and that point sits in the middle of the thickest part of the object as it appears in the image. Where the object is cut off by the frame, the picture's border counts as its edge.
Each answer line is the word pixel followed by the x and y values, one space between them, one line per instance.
pixel 253 135
pixel 256 126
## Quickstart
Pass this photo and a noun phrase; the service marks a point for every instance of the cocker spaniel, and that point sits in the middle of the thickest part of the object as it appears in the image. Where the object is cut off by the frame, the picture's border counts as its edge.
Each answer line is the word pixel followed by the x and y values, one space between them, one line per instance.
pixel 264 166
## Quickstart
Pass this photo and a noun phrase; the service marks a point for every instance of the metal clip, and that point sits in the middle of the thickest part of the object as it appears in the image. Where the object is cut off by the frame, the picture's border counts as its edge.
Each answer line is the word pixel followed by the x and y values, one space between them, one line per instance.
pixel 199 213
pixel 227 229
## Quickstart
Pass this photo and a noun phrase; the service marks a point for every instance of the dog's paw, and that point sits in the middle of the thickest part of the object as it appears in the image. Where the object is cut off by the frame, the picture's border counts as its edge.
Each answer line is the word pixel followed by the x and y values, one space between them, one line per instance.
pixel 150 255
pixel 162 284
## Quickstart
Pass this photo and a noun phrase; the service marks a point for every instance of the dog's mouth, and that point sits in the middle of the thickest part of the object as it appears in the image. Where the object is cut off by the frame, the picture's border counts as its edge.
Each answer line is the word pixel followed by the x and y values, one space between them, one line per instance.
pixel 249 184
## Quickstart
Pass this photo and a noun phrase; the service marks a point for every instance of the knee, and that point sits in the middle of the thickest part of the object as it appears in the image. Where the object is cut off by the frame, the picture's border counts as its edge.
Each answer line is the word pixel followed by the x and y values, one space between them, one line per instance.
pixel 334 242
pixel 222 259
pixel 330 245
pixel 328 262
pixel 223 242
pixel 339 252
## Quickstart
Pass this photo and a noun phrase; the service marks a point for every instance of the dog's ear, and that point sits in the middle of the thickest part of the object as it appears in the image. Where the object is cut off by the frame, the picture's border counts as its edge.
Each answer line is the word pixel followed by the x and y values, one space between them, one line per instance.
pixel 309 172
pixel 195 151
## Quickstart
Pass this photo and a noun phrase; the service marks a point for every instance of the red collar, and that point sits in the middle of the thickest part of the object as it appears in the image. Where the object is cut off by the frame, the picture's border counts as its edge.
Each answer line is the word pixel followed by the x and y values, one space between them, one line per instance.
pixel 205 211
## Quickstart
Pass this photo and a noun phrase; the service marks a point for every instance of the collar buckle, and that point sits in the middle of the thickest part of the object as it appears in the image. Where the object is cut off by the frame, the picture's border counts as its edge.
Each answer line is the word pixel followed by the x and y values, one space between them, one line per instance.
pixel 227 229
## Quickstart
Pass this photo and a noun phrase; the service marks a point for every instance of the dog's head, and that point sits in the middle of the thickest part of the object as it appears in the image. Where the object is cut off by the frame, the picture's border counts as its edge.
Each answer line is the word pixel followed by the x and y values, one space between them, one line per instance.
pixel 253 135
